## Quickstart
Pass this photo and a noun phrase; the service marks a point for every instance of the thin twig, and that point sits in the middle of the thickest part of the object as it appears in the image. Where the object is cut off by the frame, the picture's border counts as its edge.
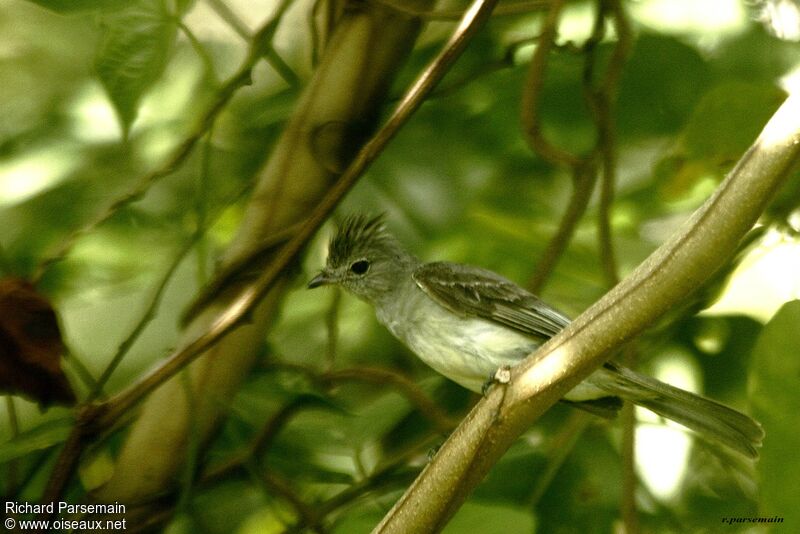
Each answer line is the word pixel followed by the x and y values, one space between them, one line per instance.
pixel 241 78
pixel 407 387
pixel 584 179
pixel 511 8
pixel 269 53
pixel 233 20
pixel 558 452
pixel 377 479
pixel 374 375
pixel 158 291
pixel 323 13
pixel 507 61
pixel 260 445
pixel 602 101
pixel 278 485
pixel 241 267
pixel 208 63
pixel 583 168
pixel 675 270
pixel 263 442
pixel 44 459
pixel 251 295
pixel 391 474
pixel 314 31
pixel 89 414
pixel 607 139
pixel 67 460
pixel 149 314
pixel 81 370
pixel 201 206
pixel 531 94
pixel 253 461
pixel 280 66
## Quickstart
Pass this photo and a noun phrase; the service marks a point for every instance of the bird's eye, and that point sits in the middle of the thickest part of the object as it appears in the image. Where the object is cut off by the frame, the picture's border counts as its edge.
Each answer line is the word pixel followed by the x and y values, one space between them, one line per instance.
pixel 360 267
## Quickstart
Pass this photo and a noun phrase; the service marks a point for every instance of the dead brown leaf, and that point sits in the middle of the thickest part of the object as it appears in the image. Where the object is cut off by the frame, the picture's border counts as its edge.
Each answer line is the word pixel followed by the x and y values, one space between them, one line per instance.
pixel 31 346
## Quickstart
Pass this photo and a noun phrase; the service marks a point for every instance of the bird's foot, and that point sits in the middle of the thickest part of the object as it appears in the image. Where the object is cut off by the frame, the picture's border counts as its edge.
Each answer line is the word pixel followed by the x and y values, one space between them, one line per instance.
pixel 501 376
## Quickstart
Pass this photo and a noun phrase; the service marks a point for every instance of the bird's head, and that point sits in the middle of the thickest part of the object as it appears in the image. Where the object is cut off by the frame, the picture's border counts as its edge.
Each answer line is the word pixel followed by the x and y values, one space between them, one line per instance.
pixel 363 258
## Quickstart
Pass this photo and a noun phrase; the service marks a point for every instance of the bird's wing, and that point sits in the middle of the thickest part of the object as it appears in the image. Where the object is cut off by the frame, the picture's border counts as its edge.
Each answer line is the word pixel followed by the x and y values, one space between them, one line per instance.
pixel 474 292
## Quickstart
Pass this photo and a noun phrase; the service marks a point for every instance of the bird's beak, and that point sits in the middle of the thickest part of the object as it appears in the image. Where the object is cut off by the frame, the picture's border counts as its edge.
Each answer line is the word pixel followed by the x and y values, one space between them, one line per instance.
pixel 322 279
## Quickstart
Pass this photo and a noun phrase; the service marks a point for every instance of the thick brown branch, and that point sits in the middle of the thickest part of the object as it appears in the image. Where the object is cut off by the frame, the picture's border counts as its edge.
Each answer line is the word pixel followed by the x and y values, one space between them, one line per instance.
pixel 677 268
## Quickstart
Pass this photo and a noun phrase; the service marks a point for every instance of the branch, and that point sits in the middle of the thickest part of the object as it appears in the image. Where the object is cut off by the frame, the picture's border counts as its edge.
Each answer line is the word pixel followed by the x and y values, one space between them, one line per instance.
pixel 664 279
pixel 259 45
pixel 583 168
pixel 511 8
pixel 88 414
pixel 602 102
pixel 584 178
pixel 239 309
pixel 534 82
pixel 253 458
pixel 558 452
pixel 149 314
pixel 367 40
pixel 413 393
pixel 406 387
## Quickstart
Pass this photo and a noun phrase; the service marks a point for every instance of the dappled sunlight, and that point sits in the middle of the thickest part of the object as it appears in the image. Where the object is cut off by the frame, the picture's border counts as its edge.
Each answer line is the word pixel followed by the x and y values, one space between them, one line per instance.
pixel 791 80
pixel 709 17
pixel 764 280
pixel 784 127
pixel 782 18
pixel 155 154
pixel 662 450
pixel 35 172
pixel 94 120
pixel 544 372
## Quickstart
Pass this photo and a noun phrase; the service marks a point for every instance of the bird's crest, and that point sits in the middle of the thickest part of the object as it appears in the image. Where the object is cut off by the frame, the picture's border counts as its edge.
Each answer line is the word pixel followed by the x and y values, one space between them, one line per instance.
pixel 358 234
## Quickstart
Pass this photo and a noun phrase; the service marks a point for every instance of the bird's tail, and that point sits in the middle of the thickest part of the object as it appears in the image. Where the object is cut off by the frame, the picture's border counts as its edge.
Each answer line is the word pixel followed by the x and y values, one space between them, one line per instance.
pixel 705 416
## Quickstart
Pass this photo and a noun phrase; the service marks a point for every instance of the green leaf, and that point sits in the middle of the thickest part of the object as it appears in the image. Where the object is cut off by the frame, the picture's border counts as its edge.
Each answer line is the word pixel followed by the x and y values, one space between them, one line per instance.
pixel 41 437
pixel 776 402
pixel 728 119
pixel 134 53
pixel 723 124
pixel 656 96
pixel 491 519
pixel 78 6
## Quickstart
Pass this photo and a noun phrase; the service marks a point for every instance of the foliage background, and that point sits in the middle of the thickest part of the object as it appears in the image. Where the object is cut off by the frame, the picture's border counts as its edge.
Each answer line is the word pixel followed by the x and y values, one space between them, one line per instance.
pixel 96 95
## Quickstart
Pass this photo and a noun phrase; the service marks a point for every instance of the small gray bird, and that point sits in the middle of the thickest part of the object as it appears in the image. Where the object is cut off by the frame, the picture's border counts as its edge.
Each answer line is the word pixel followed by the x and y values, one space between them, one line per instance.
pixel 467 322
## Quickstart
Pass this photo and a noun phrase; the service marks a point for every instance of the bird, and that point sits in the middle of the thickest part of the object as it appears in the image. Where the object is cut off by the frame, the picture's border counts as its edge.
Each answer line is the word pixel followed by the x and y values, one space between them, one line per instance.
pixel 466 322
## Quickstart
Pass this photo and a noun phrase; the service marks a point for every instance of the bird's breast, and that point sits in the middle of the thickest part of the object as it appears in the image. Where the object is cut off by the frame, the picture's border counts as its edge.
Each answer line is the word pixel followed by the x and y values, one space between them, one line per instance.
pixel 465 349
